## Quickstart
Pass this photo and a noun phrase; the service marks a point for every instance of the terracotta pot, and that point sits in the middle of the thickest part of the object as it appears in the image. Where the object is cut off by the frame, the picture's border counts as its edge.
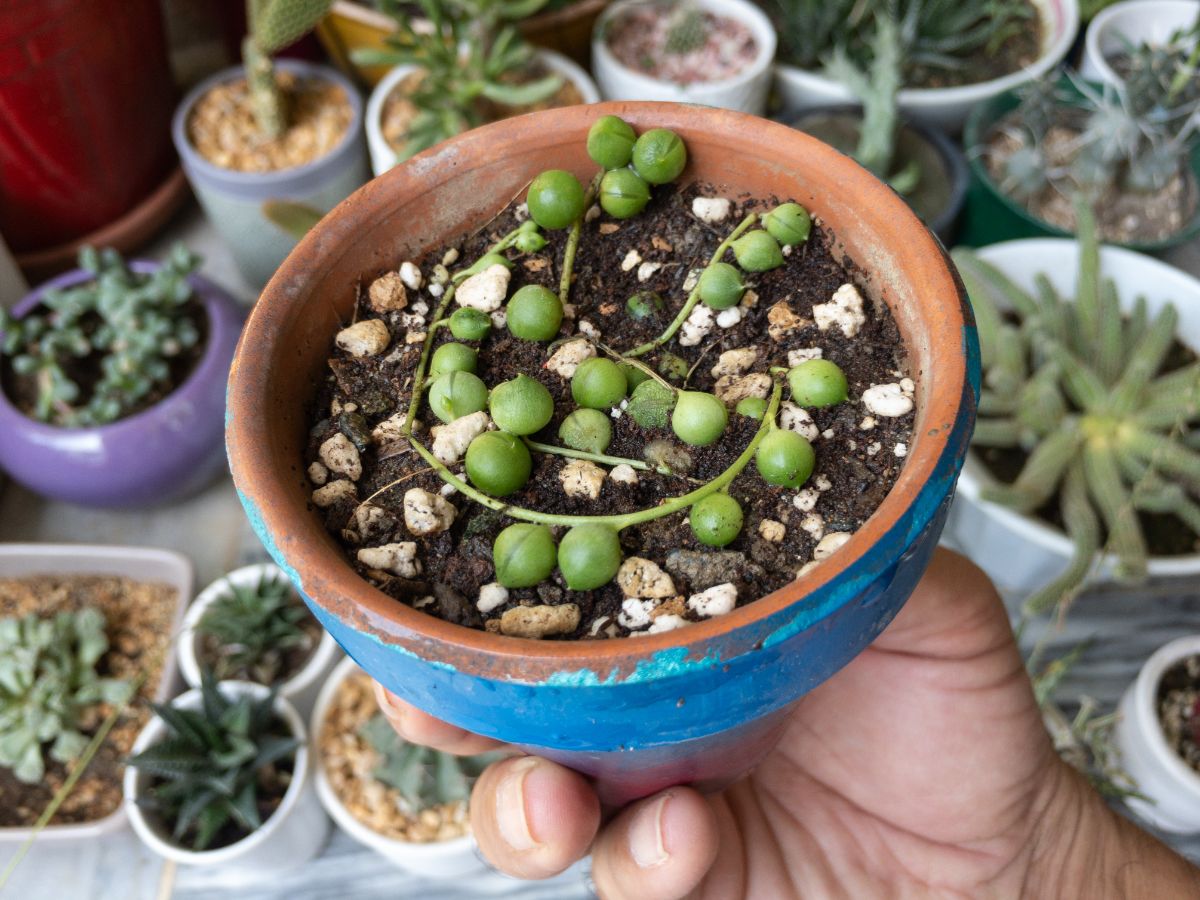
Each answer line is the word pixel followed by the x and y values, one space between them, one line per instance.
pixel 700 704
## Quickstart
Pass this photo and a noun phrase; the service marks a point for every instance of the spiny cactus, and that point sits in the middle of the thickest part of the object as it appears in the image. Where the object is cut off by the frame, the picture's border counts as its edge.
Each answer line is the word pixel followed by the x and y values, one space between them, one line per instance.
pixel 48 685
pixel 455 82
pixel 273 25
pixel 215 764
pixel 424 777
pixel 254 627
pixel 687 29
pixel 124 326
pixel 1080 388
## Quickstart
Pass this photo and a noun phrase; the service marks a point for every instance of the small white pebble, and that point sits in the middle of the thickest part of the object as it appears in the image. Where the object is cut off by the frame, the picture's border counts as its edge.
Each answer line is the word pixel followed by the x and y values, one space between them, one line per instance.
pixel 822 483
pixel 591 215
pixel 711 209
pixel 447 489
pixel 412 320
pixel 814 525
pixel 428 600
pixel 666 623
pixel 827 434
pixel 806 500
pixel 491 596
pixel 587 329
pixel 521 212
pixel 450 442
pixel 441 274
pixel 806 568
pixel 317 473
pixel 334 491
pixel 581 478
pixel 749 300
pixel 426 513
pixel 414 336
pixel 632 258
pixel 499 318
pixel 692 279
pixel 770 530
pixel 697 326
pixel 908 385
pixel 796 418
pixel 900 449
pixel 644 578
pixel 795 357
pixel 399 559
pixel 624 473
pixel 365 338
pixel 450 257
pixel 734 362
pixel 635 612
pixel 716 601
pixel 830 543
pixel 787 249
pixel 887 400
pixel 647 269
pixel 485 290
pixel 874 448
pixel 341 456
pixel 727 318
pixel 566 358
pixel 436 290
pixel 867 423
pixel 411 276
pixel 421 308
pixel 845 310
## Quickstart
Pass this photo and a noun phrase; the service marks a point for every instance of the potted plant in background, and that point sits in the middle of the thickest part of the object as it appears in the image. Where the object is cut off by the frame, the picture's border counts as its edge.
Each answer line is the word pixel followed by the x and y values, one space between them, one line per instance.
pixel 959 53
pixel 1157 735
pixel 1119 28
pixel 270 131
pixel 715 52
pixel 113 381
pixel 921 164
pixel 1131 151
pixel 86 634
pixel 847 598
pixel 408 803
pixel 222 776
pixel 464 66
pixel 1084 420
pixel 251 625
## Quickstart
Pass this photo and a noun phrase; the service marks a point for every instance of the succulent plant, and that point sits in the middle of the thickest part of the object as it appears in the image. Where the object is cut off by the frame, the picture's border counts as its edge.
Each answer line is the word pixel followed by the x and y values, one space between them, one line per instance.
pixel 1082 390
pixel 48 686
pixel 455 84
pixel 254 627
pixel 424 777
pixel 273 25
pixel 687 28
pixel 216 763
pixel 99 350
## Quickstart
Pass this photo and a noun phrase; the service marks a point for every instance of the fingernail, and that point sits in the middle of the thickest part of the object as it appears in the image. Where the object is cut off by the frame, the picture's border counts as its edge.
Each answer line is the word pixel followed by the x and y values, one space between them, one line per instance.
pixel 510 806
pixel 646 835
pixel 384 699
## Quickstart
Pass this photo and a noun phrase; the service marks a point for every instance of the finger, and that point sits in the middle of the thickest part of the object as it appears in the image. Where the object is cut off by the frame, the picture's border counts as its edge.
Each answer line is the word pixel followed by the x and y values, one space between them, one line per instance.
pixel 658 849
pixel 421 728
pixel 532 817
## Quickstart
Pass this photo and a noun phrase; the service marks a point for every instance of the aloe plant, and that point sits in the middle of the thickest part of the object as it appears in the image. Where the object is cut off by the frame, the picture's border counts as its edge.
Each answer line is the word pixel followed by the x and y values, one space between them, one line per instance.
pixel 48 686
pixel 215 763
pixel 1082 390
pixel 273 25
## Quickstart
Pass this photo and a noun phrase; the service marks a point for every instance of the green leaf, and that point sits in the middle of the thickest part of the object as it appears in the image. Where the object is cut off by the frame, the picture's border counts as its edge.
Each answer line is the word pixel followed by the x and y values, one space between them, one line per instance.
pixel 292 218
pixel 651 404
pixel 522 94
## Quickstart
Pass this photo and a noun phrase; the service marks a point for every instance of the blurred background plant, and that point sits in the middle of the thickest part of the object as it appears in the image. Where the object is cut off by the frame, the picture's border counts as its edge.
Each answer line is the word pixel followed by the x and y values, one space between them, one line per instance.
pixel 102 349
pixel 271 26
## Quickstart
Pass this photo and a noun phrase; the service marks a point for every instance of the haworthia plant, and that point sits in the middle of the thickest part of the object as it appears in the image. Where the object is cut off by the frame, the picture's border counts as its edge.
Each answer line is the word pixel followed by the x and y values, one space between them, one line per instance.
pixel 48 685
pixel 1081 388
pixel 271 26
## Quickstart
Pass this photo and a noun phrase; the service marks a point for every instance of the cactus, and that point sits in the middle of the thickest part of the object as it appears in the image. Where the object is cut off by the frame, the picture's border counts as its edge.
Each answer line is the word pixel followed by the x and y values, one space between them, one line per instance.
pixel 449 97
pixel 687 29
pixel 1082 390
pixel 211 768
pixel 48 687
pixel 273 25
pixel 423 777
pixel 126 326
pixel 253 628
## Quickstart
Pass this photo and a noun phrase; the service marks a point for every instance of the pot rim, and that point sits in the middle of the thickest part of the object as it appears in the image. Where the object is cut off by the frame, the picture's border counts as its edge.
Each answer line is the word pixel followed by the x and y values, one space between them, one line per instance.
pixel 209 365
pixel 749 14
pixel 1053 51
pixel 975 477
pixel 904 511
pixel 154 730
pixel 1144 690
pixel 277 180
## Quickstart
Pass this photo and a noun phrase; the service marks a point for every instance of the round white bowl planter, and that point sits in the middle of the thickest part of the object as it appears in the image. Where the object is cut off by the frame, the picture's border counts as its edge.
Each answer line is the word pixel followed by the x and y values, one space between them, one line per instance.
pixel 945 108
pixel 1020 553
pixel 295 832
pixel 1133 22
pixel 383 156
pixel 1172 785
pixel 746 91
pixel 300 689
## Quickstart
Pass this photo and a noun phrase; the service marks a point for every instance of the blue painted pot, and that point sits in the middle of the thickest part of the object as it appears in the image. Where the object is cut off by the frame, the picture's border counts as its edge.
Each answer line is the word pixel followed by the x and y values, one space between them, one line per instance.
pixel 700 704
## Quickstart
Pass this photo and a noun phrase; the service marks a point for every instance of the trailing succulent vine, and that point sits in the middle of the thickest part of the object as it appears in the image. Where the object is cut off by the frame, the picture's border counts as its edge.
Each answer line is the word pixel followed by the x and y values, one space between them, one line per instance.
pixel 1082 389
pixel 498 463
pixel 100 350
pixel 271 26
pixel 50 688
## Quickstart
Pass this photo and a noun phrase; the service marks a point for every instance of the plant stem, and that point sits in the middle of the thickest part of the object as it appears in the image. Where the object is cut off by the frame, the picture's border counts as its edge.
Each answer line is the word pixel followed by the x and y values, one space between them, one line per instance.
pixel 597 457
pixel 677 504
pixel 572 248
pixel 694 296
pixel 265 96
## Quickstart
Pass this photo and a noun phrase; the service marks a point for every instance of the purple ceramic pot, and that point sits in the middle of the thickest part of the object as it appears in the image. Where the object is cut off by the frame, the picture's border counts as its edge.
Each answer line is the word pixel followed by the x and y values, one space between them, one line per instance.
pixel 152 457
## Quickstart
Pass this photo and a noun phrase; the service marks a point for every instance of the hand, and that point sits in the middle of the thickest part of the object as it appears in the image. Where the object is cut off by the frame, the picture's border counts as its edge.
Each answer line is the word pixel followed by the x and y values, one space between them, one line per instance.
pixel 922 768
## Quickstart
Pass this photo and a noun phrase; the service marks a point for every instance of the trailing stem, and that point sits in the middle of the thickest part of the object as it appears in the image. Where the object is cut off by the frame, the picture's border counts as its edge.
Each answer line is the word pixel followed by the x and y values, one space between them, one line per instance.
pixel 572 248
pixel 694 296
pixel 598 458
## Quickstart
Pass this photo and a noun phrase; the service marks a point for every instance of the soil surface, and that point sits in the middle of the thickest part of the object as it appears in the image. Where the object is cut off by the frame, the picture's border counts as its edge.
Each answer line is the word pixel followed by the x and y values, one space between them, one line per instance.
pixel 1123 215
pixel 641 40
pixel 398 112
pixel 1179 709
pixel 349 760
pixel 858 456
pixel 211 654
pixel 223 129
pixel 139 620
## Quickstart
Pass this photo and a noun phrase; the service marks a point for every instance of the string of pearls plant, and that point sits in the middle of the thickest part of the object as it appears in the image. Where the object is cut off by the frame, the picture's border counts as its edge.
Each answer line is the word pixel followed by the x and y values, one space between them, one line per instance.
pixel 498 463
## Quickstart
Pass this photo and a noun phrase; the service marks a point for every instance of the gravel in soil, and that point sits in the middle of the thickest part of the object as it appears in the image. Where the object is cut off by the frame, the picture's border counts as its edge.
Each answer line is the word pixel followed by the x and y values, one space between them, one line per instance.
pixel 859 456
pixel 139 618
pixel 1179 709
pixel 223 129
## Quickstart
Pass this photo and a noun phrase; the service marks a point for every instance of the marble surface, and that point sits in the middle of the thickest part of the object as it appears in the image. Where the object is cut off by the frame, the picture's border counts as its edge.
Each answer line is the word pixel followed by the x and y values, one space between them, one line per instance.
pixel 1123 627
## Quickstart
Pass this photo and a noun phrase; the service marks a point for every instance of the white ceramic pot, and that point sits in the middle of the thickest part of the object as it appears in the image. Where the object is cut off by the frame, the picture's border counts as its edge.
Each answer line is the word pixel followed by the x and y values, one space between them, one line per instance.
pixel 383 157
pixel 294 833
pixel 943 108
pixel 1020 553
pixel 302 688
pixel 1133 22
pixel 1172 785
pixel 746 91
pixel 137 563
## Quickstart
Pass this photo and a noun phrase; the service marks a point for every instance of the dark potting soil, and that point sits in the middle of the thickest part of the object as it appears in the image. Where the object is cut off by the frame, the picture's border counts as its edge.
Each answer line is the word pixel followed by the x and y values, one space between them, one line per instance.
pixel 856 466
pixel 1179 709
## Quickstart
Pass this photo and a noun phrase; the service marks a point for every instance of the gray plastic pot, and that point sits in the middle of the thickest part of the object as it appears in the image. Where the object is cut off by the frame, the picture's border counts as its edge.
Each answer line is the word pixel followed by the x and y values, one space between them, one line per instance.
pixel 234 200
